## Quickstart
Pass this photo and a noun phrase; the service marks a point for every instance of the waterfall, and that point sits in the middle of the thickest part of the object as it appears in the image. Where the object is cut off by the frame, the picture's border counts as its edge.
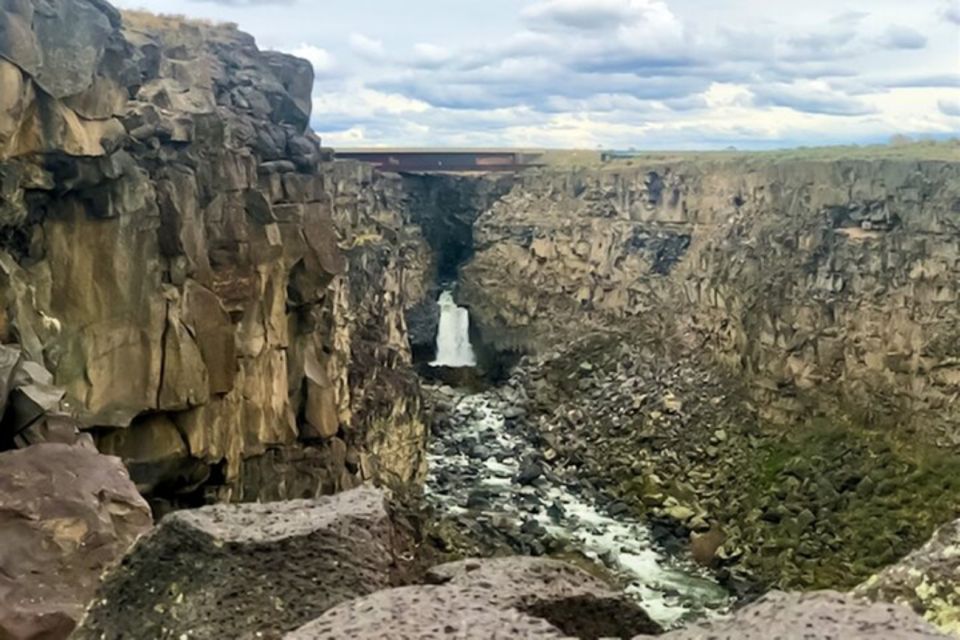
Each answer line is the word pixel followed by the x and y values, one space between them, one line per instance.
pixel 453 336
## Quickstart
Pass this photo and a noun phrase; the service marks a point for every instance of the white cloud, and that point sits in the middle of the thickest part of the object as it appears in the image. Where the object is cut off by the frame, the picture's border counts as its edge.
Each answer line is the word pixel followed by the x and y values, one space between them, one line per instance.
pixel 426 54
pixel 359 101
pixel 951 11
pixel 367 47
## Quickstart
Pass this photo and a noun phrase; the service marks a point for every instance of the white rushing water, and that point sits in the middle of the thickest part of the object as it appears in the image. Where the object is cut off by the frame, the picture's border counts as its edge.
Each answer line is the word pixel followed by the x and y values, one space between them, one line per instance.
pixel 453 336
pixel 481 454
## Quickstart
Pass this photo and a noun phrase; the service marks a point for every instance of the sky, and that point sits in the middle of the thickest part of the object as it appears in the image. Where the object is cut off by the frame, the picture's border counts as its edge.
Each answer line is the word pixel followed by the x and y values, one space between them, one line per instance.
pixel 614 74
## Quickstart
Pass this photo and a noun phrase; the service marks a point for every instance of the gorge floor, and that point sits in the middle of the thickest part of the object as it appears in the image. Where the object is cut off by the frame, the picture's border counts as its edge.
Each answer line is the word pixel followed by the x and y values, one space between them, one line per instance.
pixel 484 469
pixel 487 470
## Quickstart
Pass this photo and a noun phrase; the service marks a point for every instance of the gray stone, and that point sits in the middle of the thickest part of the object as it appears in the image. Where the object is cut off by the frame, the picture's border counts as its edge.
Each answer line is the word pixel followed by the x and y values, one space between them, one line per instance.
pixel 426 612
pixel 241 570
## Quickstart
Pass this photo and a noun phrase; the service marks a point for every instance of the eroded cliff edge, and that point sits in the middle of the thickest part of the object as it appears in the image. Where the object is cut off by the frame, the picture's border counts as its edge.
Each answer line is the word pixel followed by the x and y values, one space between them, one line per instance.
pixel 222 302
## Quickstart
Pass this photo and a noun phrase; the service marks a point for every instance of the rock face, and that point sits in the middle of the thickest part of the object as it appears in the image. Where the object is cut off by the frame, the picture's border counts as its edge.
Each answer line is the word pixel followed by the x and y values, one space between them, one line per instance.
pixel 222 303
pixel 803 275
pixel 246 571
pixel 926 580
pixel 496 598
pixel 822 615
pixel 68 514
pixel 445 207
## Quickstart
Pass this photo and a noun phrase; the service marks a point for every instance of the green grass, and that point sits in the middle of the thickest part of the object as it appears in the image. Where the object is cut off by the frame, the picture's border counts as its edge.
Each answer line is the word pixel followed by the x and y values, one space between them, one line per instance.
pixel 943 151
pixel 891 494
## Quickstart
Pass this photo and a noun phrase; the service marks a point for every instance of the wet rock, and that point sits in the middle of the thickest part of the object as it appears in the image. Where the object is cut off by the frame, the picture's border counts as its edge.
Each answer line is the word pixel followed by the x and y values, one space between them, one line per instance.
pixel 238 571
pixel 533 528
pixel 824 615
pixel 479 452
pixel 513 412
pixel 478 500
pixel 67 515
pixel 618 508
pixel 530 472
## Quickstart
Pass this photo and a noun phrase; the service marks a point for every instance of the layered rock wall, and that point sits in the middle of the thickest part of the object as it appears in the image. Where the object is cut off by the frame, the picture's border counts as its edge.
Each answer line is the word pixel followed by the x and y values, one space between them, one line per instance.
pixel 804 275
pixel 223 304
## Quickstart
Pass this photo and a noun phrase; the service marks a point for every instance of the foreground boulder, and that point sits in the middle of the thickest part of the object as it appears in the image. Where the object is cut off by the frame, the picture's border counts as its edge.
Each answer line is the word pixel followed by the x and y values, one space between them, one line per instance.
pixel 823 615
pixel 68 513
pixel 927 580
pixel 496 598
pixel 571 599
pixel 246 571
pixel 425 612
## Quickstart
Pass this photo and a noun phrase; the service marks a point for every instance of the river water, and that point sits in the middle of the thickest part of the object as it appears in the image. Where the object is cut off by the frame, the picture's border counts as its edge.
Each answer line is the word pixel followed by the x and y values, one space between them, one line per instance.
pixel 480 469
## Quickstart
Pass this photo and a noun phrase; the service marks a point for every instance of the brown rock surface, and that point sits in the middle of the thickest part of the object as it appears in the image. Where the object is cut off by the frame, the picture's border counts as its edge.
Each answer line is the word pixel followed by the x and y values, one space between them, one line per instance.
pixel 67 515
pixel 246 571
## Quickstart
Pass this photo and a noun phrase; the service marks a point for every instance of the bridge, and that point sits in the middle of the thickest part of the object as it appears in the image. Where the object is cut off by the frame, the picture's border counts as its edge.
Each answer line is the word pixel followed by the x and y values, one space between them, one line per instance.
pixel 445 160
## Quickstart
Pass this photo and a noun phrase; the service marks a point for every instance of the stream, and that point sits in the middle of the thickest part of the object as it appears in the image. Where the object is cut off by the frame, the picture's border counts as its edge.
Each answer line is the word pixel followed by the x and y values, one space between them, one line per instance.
pixel 483 466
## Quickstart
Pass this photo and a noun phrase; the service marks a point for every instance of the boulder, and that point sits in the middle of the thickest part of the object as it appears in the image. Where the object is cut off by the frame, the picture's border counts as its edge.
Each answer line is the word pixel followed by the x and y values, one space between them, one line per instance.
pixel 518 597
pixel 926 580
pixel 571 599
pixel 68 514
pixel 425 612
pixel 823 615
pixel 246 571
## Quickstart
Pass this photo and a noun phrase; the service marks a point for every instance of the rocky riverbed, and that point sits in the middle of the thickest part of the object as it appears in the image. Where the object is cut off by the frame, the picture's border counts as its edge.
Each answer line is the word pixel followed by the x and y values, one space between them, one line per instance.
pixel 490 471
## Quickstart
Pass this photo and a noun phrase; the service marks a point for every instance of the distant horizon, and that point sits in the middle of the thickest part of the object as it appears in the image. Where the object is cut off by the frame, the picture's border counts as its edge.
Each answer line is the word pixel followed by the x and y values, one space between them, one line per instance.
pixel 913 140
pixel 614 74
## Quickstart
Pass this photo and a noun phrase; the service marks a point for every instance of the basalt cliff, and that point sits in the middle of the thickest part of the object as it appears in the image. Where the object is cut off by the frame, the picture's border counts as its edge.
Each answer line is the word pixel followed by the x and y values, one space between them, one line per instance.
pixel 804 276
pixel 222 304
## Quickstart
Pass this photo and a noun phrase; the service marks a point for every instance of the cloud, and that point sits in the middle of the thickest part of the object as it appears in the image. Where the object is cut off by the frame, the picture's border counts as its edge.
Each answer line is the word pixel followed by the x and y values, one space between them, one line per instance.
pixel 934 80
pixel 366 47
pixel 901 37
pixel 950 107
pixel 430 55
pixel 951 11
pixel 837 39
pixel 593 15
pixel 810 97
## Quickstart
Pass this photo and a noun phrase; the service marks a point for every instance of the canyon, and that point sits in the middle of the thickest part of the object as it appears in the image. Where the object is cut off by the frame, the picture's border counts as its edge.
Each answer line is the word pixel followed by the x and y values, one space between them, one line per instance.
pixel 662 386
